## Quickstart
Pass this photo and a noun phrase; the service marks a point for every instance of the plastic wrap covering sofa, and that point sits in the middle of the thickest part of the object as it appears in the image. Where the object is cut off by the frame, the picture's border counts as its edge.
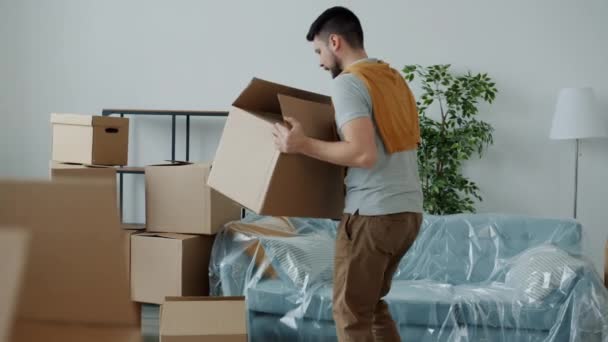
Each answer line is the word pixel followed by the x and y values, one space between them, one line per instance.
pixel 467 278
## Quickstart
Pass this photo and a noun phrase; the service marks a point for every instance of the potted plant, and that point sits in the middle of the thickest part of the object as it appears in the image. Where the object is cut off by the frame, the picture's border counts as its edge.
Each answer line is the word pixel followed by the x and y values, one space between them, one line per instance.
pixel 451 138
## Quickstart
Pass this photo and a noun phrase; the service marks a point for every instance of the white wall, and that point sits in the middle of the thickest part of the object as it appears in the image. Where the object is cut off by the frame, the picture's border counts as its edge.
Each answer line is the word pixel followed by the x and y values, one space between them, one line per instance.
pixel 84 55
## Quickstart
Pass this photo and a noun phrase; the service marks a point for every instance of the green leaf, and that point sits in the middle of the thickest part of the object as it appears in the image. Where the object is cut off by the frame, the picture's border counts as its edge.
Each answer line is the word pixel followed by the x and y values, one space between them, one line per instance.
pixel 448 143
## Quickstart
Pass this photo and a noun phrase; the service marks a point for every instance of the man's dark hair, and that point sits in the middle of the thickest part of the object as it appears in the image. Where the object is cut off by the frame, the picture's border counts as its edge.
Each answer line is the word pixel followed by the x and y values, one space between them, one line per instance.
pixel 341 21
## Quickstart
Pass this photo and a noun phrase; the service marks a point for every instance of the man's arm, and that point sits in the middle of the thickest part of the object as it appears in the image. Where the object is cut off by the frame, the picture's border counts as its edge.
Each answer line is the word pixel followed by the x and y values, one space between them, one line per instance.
pixel 357 150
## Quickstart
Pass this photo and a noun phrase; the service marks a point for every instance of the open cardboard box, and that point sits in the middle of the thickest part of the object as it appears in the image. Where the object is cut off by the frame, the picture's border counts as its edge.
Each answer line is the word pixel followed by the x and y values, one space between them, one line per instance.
pixel 249 169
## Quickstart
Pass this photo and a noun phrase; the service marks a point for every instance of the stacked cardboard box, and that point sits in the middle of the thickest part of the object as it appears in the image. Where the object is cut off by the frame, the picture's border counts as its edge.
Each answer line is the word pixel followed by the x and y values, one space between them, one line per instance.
pixel 183 214
pixel 74 285
pixel 186 205
pixel 88 149
pixel 182 217
pixel 91 140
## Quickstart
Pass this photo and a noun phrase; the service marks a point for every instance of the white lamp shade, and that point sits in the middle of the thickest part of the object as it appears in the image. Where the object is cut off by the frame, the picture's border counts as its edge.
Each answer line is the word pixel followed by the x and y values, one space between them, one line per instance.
pixel 577 116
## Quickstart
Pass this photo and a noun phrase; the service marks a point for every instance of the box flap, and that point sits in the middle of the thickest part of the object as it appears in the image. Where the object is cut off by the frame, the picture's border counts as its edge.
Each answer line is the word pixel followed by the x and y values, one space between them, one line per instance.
pixel 317 119
pixel 203 317
pixel 261 96
pixel 172 236
pixel 13 253
pixel 76 251
pixel 88 120
pixel 239 171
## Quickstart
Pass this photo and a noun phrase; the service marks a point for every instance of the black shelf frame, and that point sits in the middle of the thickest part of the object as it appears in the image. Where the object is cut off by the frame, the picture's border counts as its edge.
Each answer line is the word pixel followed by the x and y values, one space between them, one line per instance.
pixel 154 112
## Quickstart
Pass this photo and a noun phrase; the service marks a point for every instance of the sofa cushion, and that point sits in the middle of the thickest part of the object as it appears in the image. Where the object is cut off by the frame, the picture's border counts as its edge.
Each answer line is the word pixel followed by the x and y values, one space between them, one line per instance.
pixel 414 303
pixel 541 272
pixel 497 306
pixel 471 248
pixel 410 302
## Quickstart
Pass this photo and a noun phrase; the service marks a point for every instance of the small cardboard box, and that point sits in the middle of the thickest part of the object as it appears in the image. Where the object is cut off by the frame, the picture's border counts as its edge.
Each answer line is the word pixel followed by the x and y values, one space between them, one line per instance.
pixel 169 264
pixel 74 263
pixel 93 140
pixel 203 319
pixel 178 200
pixel 13 249
pixel 249 169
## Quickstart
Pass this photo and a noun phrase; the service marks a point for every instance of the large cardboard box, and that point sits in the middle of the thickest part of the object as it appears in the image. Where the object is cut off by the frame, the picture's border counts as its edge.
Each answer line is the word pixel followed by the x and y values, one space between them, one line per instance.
pixel 169 264
pixel 249 169
pixel 75 286
pixel 13 248
pixel 86 139
pixel 178 200
pixel 203 319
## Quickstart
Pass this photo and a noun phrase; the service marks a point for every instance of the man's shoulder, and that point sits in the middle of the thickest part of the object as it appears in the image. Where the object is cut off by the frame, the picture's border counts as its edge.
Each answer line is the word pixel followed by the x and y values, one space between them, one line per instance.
pixel 346 80
pixel 346 83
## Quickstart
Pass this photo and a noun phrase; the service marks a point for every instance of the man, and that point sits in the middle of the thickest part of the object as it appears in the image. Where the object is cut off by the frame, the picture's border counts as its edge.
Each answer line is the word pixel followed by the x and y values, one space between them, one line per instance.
pixel 377 122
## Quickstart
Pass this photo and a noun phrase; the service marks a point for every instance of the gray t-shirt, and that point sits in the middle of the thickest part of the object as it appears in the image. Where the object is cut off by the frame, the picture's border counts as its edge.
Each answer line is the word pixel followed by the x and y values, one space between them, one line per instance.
pixel 392 185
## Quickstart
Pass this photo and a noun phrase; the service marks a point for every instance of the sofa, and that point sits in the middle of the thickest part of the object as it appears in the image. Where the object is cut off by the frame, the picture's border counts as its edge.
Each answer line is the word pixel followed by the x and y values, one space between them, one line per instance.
pixel 469 277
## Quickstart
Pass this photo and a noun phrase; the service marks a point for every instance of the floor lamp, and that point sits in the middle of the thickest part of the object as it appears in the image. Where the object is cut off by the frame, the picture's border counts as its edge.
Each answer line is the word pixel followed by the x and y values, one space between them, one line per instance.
pixel 577 117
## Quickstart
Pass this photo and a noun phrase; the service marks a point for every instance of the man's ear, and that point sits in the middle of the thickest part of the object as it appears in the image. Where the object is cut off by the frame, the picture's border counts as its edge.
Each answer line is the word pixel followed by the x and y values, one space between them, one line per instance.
pixel 334 41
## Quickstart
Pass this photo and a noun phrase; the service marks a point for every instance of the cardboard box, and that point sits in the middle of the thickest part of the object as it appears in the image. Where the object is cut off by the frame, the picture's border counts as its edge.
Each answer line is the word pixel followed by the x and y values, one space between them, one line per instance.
pixel 80 172
pixel 169 264
pixel 204 319
pixel 178 200
pixel 93 140
pixel 13 249
pixel 75 280
pixel 34 331
pixel 249 169
pixel 126 243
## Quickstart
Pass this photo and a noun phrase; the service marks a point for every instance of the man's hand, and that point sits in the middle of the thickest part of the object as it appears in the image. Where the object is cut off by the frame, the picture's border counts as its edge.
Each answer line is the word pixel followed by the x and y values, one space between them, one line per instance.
pixel 357 150
pixel 289 139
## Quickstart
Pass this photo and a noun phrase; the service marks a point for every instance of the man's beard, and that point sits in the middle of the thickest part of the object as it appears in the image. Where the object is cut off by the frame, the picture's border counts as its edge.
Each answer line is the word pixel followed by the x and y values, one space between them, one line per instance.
pixel 336 69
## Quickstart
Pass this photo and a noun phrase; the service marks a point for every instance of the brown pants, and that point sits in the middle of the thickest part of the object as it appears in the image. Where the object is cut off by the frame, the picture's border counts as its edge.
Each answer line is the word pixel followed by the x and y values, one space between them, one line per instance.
pixel 368 251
